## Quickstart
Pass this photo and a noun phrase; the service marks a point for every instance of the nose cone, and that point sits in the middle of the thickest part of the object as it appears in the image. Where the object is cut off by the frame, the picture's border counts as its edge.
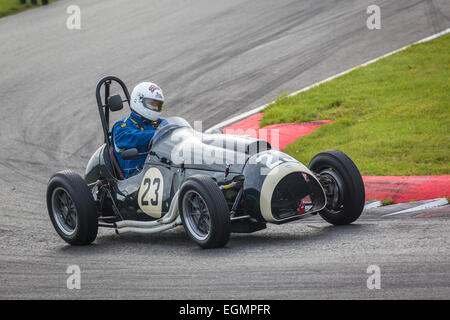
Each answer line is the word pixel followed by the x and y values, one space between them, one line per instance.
pixel 287 188
pixel 276 184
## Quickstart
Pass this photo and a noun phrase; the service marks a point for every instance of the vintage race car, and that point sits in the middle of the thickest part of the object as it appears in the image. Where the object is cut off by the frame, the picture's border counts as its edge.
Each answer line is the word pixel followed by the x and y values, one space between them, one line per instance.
pixel 212 184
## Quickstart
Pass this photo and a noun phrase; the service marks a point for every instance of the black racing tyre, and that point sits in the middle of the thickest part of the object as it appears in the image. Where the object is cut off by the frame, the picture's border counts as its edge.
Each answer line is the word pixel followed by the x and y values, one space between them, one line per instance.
pixel 343 186
pixel 204 212
pixel 72 208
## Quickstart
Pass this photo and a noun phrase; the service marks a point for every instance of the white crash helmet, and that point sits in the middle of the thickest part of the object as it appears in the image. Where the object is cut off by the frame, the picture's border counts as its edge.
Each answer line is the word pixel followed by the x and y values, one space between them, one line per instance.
pixel 147 100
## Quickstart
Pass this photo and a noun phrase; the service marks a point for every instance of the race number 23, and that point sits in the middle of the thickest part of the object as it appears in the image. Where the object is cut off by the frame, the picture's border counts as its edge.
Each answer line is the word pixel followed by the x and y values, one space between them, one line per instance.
pixel 148 184
pixel 150 193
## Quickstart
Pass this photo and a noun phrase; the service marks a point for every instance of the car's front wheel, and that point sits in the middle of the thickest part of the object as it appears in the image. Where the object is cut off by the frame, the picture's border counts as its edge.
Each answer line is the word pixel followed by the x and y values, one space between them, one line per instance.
pixel 72 208
pixel 204 212
pixel 343 186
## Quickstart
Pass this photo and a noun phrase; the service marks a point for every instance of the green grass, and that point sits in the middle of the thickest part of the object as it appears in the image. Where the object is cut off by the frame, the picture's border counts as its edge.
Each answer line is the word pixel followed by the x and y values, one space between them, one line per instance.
pixel 9 7
pixel 391 117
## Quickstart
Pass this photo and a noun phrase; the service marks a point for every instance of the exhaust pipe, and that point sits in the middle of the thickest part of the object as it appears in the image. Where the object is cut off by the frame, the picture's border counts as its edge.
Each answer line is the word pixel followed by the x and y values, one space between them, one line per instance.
pixel 149 230
pixel 169 221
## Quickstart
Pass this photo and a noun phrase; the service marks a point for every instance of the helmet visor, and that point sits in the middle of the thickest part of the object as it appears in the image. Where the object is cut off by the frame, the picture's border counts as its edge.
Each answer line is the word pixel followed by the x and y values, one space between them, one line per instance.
pixel 152 104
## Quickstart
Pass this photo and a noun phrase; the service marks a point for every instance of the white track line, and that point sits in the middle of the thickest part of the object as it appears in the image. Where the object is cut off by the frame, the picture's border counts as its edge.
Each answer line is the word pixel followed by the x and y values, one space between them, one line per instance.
pixel 372 205
pixel 260 108
pixel 429 205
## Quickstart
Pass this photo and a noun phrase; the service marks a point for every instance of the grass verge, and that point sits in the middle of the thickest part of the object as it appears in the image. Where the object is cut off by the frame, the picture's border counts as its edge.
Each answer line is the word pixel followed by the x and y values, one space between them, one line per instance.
pixel 391 117
pixel 9 7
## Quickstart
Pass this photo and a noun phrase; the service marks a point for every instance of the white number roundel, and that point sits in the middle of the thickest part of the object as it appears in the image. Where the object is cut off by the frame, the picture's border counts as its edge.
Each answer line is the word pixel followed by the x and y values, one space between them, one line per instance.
pixel 151 193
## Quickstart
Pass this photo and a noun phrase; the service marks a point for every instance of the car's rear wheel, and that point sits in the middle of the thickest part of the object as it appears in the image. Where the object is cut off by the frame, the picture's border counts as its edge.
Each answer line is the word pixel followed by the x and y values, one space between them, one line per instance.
pixel 72 208
pixel 343 186
pixel 204 212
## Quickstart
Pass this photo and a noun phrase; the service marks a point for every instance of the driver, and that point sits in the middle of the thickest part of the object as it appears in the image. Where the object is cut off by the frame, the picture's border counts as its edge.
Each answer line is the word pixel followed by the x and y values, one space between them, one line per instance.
pixel 137 130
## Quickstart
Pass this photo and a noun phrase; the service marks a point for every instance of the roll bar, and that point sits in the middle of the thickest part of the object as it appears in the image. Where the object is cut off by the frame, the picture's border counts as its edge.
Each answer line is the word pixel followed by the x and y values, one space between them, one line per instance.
pixel 103 108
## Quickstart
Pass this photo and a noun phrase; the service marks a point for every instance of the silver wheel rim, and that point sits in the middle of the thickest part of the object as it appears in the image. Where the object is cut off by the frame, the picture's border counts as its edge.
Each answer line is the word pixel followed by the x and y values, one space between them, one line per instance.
pixel 196 215
pixel 64 211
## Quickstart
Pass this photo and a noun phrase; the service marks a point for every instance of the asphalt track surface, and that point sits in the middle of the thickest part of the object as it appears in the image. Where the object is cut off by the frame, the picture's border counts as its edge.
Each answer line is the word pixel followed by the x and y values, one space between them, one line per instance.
pixel 213 59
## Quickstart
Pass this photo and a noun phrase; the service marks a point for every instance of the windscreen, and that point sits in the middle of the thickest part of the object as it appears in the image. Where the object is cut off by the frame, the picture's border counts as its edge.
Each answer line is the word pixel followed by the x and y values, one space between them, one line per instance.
pixel 169 124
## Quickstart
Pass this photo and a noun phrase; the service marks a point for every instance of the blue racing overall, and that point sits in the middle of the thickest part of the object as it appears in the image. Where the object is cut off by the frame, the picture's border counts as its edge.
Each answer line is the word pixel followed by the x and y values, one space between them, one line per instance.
pixel 132 132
